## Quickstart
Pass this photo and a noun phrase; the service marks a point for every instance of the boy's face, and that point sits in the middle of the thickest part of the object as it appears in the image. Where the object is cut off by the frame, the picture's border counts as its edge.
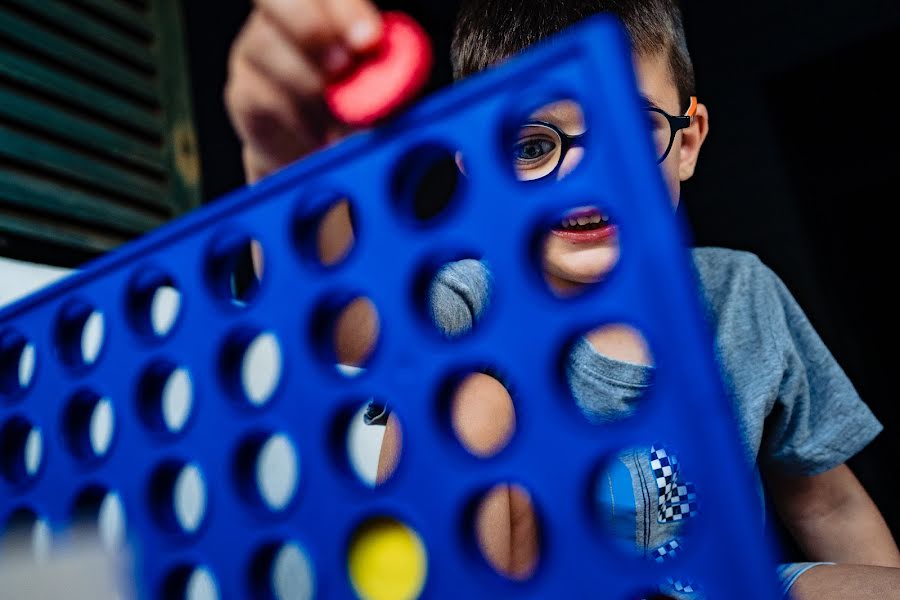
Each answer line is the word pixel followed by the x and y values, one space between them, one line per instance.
pixel 574 256
pixel 572 259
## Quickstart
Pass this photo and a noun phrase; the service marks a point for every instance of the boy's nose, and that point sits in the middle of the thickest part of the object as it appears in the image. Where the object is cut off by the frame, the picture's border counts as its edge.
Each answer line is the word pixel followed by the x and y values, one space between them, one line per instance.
pixel 571 160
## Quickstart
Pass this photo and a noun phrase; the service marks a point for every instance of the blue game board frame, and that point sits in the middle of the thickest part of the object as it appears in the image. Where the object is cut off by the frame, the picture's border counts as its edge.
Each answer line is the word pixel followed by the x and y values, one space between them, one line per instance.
pixel 554 453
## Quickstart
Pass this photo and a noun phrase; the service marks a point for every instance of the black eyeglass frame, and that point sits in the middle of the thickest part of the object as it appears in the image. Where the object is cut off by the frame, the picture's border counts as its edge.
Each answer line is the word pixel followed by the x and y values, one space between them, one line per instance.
pixel 567 142
pixel 676 124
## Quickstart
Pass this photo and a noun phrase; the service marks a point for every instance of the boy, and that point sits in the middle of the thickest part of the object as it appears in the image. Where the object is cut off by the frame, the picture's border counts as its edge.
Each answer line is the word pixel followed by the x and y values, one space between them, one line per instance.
pixel 800 417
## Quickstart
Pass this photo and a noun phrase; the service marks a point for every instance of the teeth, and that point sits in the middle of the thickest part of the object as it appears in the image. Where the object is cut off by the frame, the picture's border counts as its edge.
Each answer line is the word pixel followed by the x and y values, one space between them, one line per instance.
pixel 594 219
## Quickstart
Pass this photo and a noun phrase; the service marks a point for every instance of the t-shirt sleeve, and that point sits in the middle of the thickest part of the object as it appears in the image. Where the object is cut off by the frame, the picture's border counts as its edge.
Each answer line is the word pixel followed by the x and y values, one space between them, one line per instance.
pixel 818 421
pixel 459 296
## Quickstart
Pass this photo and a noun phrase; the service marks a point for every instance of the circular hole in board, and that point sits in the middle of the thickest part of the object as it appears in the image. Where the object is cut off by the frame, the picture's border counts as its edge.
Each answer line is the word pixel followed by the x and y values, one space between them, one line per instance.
pixel 189 582
pixel 481 413
pixel 261 368
pixel 178 497
pixel 346 330
pixel 269 470
pixel 166 397
pixel 21 451
pixel 454 294
pixel 98 519
pixel 25 533
pixel 283 571
pixel 609 372
pixel 89 425
pixel 371 438
pixel 237 269
pixel 577 249
pixel 80 335
pixel 547 144
pixel 497 508
pixel 17 365
pixel 327 235
pixel 387 560
pixel 673 501
pixel 252 366
pixel 427 182
pixel 154 302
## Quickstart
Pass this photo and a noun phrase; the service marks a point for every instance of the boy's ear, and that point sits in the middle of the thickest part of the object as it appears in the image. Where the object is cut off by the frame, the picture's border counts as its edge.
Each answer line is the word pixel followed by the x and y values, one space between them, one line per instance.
pixel 692 139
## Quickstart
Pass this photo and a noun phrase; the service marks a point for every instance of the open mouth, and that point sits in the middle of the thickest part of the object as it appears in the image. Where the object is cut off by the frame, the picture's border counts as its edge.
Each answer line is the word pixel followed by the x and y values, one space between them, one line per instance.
pixel 584 225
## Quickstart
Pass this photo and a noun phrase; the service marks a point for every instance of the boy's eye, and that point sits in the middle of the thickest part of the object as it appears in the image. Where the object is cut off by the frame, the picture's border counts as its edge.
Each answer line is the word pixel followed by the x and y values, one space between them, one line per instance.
pixel 656 122
pixel 533 149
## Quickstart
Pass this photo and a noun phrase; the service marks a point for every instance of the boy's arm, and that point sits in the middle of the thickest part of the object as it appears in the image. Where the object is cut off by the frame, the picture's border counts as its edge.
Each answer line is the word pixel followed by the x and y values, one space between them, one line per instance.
pixel 832 518
pixel 839 582
pixel 277 70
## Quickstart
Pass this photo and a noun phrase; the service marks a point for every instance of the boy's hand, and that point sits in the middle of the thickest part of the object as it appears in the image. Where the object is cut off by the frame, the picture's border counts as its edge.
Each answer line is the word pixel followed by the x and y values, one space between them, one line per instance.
pixel 277 71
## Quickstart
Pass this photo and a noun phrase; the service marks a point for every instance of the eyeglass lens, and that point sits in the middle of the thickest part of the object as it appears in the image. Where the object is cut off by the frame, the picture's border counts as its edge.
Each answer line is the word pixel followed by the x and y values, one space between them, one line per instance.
pixel 537 152
pixel 538 148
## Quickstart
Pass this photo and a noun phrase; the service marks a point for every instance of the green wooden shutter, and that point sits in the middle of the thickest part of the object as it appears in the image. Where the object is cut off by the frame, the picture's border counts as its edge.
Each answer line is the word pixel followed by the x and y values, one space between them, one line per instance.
pixel 97 143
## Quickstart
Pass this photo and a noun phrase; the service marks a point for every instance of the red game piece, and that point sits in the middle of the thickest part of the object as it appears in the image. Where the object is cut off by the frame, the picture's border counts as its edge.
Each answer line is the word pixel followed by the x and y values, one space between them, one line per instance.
pixel 387 78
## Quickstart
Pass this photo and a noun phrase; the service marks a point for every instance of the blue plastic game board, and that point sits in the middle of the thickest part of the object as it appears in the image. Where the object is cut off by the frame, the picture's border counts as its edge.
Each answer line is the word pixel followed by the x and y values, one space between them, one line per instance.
pixel 555 452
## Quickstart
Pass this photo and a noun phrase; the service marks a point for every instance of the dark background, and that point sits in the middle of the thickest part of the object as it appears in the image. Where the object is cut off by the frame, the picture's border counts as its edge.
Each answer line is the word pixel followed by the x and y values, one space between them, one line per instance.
pixel 801 166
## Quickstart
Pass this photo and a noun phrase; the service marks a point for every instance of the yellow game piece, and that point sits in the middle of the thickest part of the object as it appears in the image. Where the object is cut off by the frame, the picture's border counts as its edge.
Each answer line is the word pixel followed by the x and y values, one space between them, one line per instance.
pixel 387 561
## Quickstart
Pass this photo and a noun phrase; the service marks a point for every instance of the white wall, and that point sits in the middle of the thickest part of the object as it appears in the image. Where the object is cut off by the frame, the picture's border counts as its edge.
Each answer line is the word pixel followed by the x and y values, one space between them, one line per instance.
pixel 18 279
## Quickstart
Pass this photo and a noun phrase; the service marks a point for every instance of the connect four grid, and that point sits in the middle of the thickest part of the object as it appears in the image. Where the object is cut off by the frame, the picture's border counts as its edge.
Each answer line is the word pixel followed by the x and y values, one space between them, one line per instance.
pixel 154 405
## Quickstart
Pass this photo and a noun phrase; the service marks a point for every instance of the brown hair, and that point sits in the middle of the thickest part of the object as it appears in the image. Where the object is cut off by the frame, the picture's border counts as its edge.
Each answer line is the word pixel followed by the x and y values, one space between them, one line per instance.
pixel 487 31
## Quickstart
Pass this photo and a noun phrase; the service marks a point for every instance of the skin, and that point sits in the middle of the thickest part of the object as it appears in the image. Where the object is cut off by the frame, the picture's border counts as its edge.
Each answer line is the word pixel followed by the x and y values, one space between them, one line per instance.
pixel 278 67
pixel 569 266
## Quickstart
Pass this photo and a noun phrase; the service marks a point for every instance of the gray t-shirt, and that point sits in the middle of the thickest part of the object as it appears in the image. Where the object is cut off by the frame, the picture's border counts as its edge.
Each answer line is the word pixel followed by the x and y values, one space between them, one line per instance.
pixel 796 409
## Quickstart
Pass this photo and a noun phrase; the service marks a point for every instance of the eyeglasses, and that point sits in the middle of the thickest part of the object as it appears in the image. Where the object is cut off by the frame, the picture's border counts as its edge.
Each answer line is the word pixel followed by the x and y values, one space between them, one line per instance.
pixel 541 147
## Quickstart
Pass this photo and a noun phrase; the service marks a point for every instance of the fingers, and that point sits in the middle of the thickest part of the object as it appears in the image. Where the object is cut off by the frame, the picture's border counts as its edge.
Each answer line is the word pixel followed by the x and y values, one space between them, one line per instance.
pixel 278 69
pixel 265 46
pixel 267 120
pixel 358 21
pixel 316 24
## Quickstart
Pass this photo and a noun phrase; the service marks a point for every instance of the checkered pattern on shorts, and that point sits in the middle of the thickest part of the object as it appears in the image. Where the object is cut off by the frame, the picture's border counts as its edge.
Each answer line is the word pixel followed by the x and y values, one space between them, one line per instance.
pixel 676 500
pixel 667 551
pixel 685 586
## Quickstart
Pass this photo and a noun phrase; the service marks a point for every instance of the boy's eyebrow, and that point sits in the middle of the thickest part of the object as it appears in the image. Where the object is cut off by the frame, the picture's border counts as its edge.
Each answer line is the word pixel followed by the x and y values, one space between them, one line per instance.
pixel 560 113
pixel 551 113
pixel 647 102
